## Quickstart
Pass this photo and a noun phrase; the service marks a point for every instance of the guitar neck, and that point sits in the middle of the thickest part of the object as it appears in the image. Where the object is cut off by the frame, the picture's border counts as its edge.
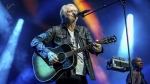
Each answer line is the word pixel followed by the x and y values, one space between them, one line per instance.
pixel 103 41
pixel 73 52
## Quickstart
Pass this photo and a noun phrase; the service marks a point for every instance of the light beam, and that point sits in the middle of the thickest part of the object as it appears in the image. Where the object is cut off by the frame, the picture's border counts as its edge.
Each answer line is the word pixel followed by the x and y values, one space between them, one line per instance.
pixel 7 56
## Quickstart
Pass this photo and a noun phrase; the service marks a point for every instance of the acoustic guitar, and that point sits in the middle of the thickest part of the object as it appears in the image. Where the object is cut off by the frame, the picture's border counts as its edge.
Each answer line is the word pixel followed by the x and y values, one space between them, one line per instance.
pixel 45 72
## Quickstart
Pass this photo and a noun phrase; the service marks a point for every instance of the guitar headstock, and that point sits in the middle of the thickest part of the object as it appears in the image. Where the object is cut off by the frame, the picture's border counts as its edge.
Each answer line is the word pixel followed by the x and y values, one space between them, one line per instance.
pixel 107 40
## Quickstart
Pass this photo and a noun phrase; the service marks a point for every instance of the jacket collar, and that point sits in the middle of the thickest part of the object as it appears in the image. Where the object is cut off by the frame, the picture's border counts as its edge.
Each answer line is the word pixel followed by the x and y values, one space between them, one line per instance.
pixel 64 27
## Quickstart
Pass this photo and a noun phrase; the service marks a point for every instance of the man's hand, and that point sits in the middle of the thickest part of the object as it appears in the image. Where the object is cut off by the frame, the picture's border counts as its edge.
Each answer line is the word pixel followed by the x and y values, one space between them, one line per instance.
pixel 97 47
pixel 52 57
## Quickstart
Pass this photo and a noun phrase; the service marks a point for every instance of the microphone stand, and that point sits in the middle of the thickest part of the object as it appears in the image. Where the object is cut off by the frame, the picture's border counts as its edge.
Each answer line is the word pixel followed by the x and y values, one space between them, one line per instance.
pixel 100 8
pixel 123 2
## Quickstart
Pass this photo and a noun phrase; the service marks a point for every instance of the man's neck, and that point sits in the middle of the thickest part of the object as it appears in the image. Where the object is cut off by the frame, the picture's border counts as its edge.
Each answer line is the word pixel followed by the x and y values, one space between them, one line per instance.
pixel 71 26
pixel 137 69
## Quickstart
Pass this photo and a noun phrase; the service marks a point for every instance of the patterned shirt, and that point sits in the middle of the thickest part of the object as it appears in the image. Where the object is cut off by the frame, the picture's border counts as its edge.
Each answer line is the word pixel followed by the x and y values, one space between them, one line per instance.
pixel 137 77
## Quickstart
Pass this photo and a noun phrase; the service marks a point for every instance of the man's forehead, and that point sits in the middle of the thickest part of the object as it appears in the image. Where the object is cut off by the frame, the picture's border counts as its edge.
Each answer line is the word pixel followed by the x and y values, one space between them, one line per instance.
pixel 71 8
pixel 138 59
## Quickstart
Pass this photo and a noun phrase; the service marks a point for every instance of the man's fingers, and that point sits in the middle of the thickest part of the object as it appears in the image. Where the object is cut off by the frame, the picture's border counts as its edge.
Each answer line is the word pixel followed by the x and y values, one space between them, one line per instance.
pixel 97 47
pixel 96 44
pixel 55 59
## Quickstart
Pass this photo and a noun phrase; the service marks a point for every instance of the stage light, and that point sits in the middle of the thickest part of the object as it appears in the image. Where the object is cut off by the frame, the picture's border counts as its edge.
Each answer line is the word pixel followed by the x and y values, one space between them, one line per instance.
pixel 7 56
pixel 123 50
pixel 117 65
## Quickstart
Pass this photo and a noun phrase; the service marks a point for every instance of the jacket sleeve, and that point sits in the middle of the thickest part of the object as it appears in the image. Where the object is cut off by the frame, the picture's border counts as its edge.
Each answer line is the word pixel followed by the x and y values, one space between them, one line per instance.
pixel 38 42
pixel 90 40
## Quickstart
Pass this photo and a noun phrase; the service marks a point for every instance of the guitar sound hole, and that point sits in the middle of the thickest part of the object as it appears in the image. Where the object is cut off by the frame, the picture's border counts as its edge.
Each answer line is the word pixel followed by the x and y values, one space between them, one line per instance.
pixel 61 57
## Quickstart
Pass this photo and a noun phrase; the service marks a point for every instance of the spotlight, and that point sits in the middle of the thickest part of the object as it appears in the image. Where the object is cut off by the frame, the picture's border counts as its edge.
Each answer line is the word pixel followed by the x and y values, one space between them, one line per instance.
pixel 118 64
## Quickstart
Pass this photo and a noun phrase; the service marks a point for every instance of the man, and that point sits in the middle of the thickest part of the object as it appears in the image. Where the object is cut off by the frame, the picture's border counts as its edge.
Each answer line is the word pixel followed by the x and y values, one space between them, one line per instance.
pixel 69 33
pixel 137 75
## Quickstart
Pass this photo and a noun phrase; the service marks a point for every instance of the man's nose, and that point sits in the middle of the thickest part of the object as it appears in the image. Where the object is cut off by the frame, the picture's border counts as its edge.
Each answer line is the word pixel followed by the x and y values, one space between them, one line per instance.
pixel 74 14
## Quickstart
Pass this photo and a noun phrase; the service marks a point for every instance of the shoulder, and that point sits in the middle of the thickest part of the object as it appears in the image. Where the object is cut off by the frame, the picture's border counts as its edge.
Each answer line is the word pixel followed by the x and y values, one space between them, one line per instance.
pixel 82 28
pixel 55 28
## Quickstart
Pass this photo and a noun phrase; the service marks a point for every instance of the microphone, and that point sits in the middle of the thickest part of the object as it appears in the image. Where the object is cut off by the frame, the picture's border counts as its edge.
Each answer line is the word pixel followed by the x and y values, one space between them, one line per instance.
pixel 82 13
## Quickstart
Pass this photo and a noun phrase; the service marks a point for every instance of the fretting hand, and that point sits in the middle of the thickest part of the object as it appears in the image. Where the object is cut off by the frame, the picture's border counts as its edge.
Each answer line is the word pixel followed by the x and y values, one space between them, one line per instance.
pixel 97 47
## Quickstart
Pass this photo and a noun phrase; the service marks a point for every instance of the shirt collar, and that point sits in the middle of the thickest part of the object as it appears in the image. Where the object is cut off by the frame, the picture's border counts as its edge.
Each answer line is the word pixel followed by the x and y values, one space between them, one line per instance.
pixel 76 27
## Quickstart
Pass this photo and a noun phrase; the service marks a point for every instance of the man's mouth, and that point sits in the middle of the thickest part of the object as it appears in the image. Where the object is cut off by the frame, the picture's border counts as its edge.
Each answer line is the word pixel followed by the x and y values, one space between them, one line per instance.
pixel 141 65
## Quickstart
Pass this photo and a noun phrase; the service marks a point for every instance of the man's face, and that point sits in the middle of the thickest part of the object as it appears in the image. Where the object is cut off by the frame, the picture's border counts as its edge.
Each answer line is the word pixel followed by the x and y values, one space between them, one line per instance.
pixel 71 11
pixel 138 63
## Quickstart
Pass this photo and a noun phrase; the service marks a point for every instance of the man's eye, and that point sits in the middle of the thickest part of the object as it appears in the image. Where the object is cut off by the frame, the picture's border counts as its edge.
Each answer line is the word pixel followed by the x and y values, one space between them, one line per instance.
pixel 71 11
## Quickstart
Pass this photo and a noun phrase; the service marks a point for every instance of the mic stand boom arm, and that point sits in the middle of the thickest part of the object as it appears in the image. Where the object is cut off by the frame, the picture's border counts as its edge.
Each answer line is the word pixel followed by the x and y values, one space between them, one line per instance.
pixel 100 8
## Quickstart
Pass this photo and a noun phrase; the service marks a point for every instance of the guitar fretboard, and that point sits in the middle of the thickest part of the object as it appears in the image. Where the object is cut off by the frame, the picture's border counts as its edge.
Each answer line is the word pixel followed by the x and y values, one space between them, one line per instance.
pixel 103 41
pixel 73 52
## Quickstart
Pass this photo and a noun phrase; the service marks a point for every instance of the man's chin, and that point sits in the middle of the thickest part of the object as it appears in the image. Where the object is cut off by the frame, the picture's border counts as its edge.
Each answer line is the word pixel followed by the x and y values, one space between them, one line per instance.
pixel 141 67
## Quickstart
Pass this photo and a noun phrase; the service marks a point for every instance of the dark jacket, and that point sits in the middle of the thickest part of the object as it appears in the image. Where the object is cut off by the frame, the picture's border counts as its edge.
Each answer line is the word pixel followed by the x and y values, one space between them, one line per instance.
pixel 59 35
